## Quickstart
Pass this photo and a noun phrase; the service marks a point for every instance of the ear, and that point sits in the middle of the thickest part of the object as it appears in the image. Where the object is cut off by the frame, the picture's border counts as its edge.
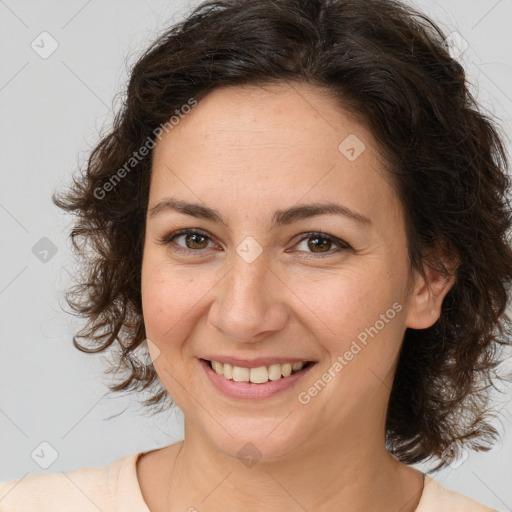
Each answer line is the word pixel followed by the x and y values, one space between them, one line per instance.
pixel 429 291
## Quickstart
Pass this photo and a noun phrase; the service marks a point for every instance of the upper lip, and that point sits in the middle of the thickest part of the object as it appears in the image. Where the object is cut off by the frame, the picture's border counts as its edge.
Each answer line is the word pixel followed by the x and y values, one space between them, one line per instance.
pixel 256 362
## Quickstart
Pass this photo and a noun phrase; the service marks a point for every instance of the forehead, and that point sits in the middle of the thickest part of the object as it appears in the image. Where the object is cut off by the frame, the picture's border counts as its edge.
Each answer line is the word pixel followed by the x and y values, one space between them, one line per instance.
pixel 273 116
pixel 279 143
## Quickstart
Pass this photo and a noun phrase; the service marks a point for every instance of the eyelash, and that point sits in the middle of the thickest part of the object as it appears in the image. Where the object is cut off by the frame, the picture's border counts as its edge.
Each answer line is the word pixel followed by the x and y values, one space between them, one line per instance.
pixel 169 239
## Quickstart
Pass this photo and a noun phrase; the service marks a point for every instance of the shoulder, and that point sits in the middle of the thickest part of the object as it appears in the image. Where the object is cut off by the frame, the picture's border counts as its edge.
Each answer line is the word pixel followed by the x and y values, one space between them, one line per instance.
pixel 436 498
pixel 87 489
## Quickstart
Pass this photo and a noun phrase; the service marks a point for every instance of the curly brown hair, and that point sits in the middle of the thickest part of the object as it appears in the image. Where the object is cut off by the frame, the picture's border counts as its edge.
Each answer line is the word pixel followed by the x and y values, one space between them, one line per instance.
pixel 387 64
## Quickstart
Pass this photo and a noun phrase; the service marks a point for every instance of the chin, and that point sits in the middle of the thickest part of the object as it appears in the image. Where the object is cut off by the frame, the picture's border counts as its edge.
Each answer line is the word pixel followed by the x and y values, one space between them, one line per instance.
pixel 251 444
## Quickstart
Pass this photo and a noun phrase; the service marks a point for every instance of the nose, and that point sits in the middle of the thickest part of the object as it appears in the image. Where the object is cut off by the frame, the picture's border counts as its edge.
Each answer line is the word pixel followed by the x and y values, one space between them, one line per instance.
pixel 249 301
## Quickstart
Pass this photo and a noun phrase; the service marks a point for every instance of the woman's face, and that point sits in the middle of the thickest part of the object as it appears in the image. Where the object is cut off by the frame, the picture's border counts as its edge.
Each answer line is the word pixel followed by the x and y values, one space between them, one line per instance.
pixel 256 285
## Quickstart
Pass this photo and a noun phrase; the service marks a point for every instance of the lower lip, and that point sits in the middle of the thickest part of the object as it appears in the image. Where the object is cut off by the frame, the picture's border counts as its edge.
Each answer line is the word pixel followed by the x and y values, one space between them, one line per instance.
pixel 249 389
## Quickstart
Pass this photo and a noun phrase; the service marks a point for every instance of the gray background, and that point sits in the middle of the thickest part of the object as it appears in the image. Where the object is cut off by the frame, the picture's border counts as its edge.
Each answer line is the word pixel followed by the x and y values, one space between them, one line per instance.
pixel 52 110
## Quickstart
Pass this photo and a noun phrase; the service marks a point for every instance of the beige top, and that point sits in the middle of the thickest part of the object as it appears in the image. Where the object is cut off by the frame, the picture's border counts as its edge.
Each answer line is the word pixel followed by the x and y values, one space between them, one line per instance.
pixel 115 488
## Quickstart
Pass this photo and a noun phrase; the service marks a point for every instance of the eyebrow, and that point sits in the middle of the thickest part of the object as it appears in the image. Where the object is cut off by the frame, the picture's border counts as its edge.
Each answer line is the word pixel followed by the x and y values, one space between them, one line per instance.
pixel 280 217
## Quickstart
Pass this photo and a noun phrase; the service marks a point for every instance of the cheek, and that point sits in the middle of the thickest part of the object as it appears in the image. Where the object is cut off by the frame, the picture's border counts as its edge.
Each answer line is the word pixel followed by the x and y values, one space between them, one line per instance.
pixel 358 317
pixel 171 297
pixel 348 300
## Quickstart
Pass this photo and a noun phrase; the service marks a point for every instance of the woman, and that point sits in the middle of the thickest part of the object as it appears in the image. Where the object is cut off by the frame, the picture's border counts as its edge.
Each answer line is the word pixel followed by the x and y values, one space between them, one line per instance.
pixel 301 214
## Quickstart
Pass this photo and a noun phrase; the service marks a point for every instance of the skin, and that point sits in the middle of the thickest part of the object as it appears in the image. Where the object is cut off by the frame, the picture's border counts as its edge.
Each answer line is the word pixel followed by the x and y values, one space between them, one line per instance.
pixel 246 152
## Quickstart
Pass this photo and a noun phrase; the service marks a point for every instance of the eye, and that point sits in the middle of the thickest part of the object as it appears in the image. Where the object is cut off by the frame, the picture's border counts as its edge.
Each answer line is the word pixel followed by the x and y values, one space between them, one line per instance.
pixel 194 240
pixel 323 242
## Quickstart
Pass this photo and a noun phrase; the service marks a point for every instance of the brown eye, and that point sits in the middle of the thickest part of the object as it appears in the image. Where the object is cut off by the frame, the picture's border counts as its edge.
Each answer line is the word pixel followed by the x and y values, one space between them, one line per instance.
pixel 323 244
pixel 193 241
pixel 320 244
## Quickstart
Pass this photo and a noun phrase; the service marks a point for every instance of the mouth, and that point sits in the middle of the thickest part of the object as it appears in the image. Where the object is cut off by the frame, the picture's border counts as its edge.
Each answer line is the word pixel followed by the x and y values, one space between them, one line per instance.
pixel 258 375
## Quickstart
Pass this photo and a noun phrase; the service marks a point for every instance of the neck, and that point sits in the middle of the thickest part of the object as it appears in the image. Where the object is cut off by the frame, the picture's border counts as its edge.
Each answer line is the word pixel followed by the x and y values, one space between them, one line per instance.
pixel 316 476
pixel 343 465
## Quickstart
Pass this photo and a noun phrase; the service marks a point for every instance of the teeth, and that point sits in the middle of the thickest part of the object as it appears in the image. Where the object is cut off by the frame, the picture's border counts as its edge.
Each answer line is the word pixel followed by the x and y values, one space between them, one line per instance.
pixel 218 367
pixel 258 375
pixel 274 371
pixel 240 374
pixel 286 370
pixel 228 370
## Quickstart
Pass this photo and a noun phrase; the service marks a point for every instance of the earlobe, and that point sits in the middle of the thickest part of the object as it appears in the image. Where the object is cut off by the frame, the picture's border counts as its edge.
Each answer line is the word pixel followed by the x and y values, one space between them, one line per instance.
pixel 426 298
